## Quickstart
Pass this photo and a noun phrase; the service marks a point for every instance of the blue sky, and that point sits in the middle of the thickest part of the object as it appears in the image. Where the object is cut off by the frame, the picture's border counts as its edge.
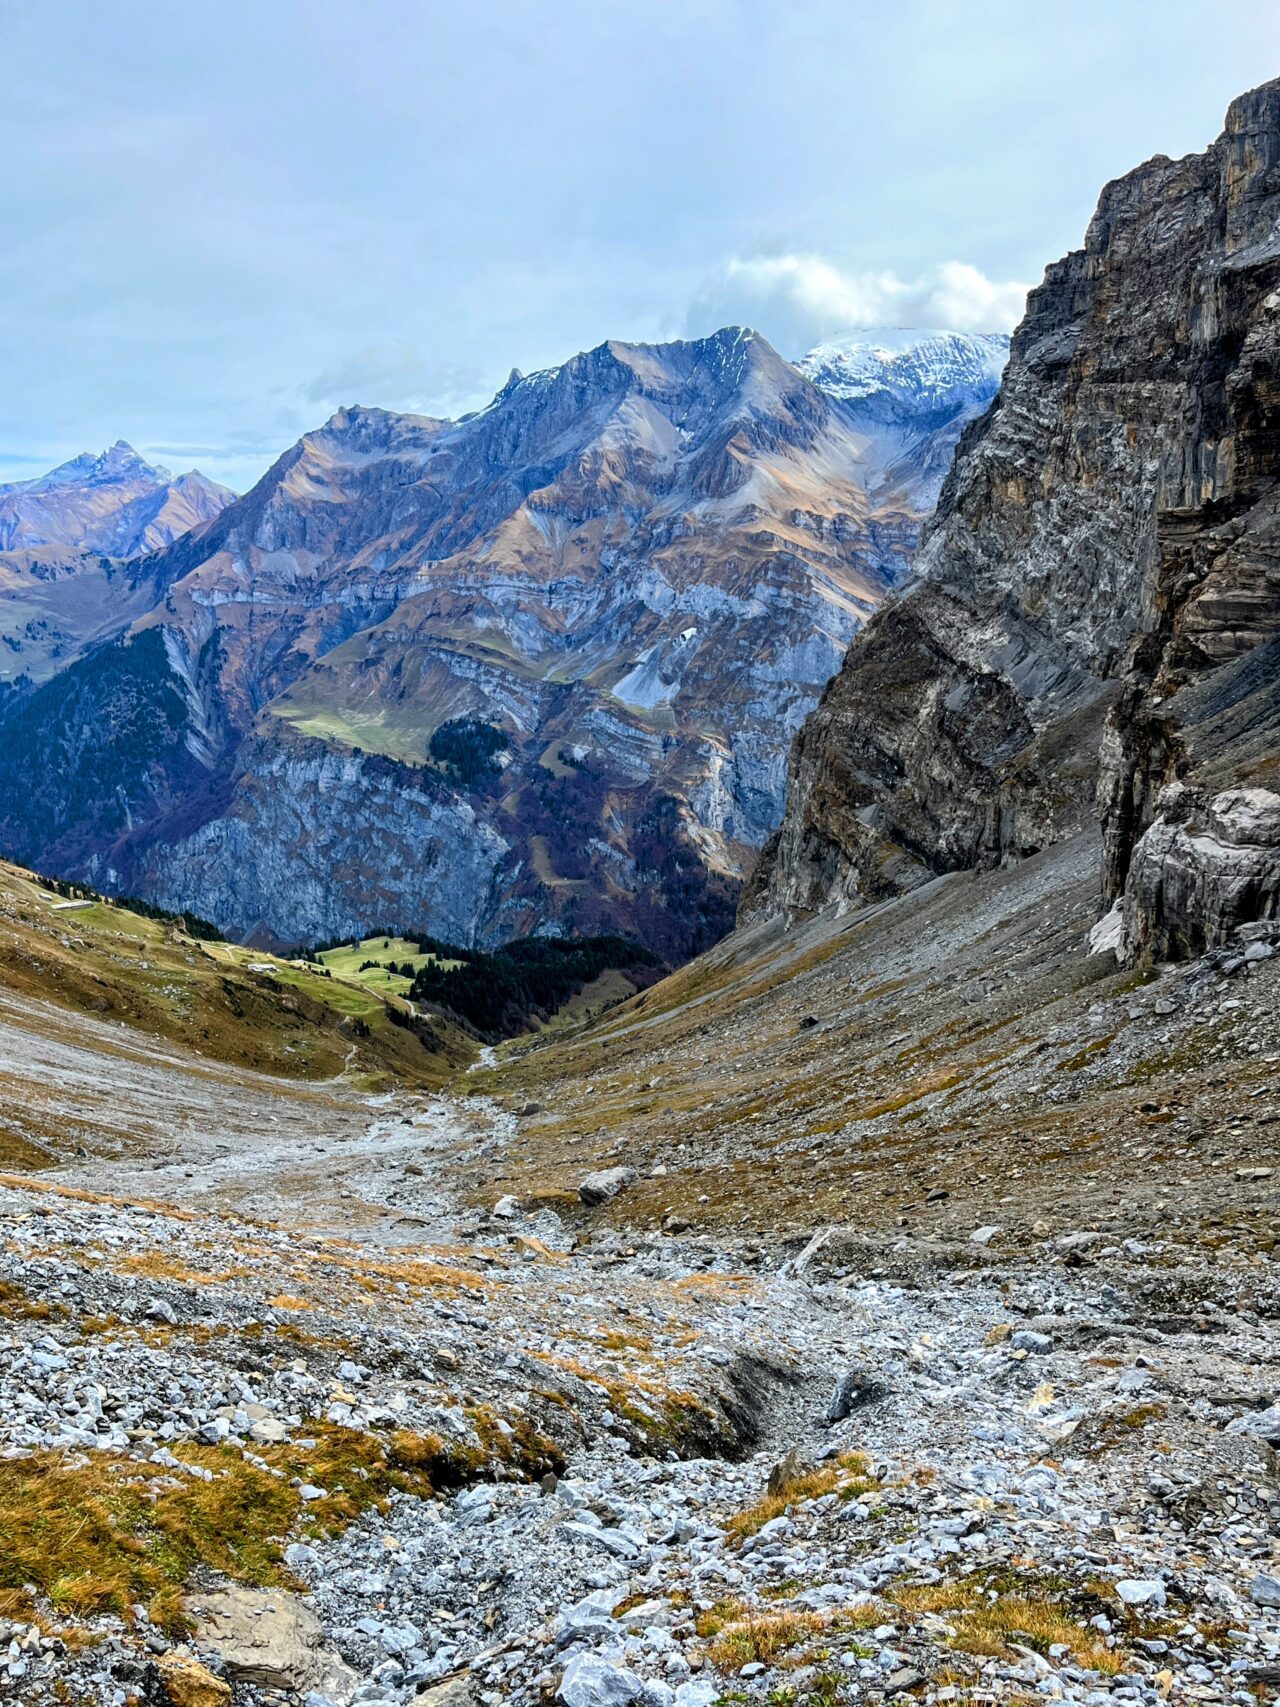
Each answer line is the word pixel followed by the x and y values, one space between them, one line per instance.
pixel 224 220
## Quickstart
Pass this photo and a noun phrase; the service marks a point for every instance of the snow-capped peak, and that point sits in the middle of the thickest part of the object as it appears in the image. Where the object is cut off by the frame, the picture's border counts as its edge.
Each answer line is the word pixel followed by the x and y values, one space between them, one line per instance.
pixel 921 371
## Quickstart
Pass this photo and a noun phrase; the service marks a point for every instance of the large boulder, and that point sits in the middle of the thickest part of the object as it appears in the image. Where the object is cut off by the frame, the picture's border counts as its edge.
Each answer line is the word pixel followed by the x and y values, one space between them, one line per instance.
pixel 269 1638
pixel 605 1184
pixel 1205 867
pixel 592 1680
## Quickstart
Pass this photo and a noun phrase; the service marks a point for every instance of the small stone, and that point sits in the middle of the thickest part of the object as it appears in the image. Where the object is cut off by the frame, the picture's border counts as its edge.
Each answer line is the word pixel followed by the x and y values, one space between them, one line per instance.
pixel 983 1235
pixel 698 1692
pixel 1264 1590
pixel 1078 1241
pixel 1136 1591
pixel 1027 1339
pixel 787 1472
pixel 184 1682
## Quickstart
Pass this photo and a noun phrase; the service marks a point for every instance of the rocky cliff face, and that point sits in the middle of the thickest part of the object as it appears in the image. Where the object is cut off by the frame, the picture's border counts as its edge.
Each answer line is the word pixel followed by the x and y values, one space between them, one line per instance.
pixel 636 572
pixel 1095 608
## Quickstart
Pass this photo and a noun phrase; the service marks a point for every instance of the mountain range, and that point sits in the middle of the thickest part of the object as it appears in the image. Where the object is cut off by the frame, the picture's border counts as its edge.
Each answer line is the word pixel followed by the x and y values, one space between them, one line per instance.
pixel 535 668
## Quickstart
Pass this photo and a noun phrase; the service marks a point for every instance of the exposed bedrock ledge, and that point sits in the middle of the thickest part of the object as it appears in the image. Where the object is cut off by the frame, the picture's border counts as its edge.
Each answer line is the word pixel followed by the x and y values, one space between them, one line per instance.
pixel 1203 869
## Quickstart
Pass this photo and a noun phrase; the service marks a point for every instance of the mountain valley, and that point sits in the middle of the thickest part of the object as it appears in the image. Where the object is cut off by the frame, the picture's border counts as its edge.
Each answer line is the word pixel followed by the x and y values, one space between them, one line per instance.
pixel 877 1310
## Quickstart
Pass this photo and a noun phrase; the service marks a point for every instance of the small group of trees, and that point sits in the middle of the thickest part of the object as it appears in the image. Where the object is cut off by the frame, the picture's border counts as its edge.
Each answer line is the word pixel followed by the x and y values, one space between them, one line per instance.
pixel 467 750
pixel 498 993
pixel 192 923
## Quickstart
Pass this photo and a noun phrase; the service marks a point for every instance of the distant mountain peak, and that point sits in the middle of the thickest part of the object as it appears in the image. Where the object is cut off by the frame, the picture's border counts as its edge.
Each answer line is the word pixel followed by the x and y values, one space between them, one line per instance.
pixel 112 501
pixel 917 369
pixel 118 462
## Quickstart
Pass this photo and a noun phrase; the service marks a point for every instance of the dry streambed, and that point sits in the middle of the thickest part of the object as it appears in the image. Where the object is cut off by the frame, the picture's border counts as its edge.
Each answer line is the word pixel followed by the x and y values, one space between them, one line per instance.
pixel 258 1462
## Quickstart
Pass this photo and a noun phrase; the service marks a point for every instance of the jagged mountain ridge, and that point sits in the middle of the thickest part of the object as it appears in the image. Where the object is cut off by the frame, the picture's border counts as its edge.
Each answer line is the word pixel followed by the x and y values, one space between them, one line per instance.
pixel 65 538
pixel 115 504
pixel 641 567
pixel 1096 605
pixel 913 392
pixel 909 372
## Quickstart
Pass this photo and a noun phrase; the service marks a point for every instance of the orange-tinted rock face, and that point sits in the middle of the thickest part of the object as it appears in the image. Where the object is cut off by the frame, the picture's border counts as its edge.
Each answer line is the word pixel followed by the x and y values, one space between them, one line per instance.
pixel 639 568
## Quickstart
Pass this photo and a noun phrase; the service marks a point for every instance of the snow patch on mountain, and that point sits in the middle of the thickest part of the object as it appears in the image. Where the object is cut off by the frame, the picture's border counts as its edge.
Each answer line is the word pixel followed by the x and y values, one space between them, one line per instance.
pixel 921 372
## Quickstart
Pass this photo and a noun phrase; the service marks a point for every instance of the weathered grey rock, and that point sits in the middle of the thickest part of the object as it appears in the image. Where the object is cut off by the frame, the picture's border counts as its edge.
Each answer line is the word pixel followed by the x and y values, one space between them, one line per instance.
pixel 1264 1424
pixel 1081 1240
pixel 591 1681
pixel 1099 591
pixel 605 1184
pixel 1202 869
pixel 855 1387
pixel 1141 1591
pixel 1264 1590
pixel 1027 1339
pixel 268 1637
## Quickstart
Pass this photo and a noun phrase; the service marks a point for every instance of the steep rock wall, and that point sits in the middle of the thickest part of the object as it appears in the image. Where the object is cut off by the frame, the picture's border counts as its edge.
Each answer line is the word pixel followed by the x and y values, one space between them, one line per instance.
pixel 1103 564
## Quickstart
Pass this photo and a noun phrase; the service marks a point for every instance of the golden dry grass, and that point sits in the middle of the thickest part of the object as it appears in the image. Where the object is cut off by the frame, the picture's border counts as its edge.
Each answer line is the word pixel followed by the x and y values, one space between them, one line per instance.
pixel 100 1534
pixel 846 1475
pixel 738 1634
pixel 1029 1616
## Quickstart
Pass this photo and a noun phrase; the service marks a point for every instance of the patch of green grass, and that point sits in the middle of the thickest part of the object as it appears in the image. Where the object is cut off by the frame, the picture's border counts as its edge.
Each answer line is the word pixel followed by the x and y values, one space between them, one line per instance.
pixel 97 1533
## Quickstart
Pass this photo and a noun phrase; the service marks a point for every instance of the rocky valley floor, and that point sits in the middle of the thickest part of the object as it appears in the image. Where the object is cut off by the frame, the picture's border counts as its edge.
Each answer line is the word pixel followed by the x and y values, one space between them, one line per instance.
pixel 925 1350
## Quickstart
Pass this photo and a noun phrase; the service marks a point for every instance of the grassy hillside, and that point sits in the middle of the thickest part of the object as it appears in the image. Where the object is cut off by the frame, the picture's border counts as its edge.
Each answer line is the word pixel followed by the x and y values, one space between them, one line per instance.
pixel 925 1066
pixel 232 1005
pixel 350 960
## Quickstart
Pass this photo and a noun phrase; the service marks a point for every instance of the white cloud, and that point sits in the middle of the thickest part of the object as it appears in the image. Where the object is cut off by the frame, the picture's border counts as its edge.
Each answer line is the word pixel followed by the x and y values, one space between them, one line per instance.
pixel 797 300
pixel 394 376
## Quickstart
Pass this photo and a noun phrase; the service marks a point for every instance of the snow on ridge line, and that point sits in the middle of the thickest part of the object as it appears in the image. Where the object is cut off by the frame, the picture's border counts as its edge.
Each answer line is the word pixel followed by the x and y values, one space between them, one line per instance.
pixel 922 368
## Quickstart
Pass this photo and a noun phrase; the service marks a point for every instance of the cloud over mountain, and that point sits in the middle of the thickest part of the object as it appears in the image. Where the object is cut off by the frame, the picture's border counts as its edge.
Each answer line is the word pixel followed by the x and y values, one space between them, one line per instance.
pixel 797 300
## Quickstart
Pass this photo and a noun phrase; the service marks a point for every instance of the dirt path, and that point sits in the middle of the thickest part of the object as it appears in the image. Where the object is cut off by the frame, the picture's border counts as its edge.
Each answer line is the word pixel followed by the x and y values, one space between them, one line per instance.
pixel 128 1115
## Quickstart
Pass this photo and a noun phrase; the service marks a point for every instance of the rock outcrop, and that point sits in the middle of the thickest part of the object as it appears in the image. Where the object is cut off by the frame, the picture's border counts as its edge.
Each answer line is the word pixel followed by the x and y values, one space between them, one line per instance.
pixel 1205 868
pixel 1095 608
